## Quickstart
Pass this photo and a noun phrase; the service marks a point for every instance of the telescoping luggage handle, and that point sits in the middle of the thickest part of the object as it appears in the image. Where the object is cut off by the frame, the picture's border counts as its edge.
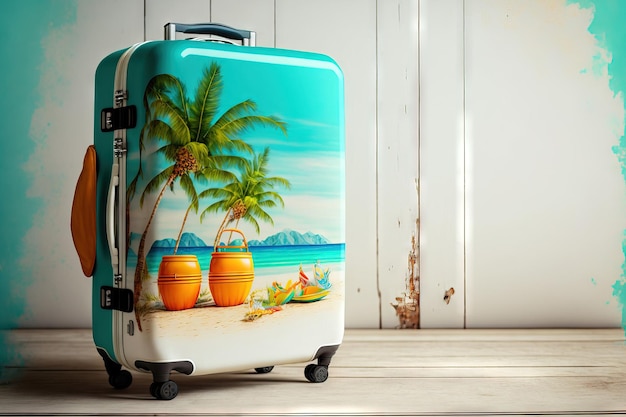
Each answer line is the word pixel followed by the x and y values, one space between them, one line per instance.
pixel 246 37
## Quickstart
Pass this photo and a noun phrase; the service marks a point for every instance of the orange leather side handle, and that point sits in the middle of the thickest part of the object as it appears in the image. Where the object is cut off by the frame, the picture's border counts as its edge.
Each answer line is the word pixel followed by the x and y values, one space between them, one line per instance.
pixel 83 220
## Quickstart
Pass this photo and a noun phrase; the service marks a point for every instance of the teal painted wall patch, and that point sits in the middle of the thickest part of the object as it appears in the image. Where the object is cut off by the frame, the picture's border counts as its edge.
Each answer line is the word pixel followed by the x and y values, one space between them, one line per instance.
pixel 610 31
pixel 22 32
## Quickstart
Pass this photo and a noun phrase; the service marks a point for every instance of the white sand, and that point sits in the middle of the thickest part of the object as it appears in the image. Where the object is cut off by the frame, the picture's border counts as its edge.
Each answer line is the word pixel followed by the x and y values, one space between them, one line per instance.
pixel 207 316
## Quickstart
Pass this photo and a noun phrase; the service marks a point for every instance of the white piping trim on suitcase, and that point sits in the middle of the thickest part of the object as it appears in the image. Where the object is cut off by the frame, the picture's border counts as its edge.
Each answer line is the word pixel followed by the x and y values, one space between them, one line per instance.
pixel 120 97
pixel 119 100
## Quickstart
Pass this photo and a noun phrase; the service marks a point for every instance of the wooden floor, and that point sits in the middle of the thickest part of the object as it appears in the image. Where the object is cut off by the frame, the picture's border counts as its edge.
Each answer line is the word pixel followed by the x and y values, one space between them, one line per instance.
pixel 388 373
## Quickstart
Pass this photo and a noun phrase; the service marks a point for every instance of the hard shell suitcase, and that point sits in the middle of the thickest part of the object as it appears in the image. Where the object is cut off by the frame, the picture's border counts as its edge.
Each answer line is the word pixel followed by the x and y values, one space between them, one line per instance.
pixel 210 210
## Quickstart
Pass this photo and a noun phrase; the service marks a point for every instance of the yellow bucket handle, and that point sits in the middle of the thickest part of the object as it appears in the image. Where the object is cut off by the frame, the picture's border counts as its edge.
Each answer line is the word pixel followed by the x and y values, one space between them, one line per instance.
pixel 217 245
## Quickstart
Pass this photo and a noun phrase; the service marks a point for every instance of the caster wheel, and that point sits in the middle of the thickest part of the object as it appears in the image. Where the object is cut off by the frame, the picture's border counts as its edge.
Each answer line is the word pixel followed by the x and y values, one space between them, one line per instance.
pixel 153 389
pixel 316 373
pixel 308 371
pixel 121 379
pixel 264 370
pixel 164 390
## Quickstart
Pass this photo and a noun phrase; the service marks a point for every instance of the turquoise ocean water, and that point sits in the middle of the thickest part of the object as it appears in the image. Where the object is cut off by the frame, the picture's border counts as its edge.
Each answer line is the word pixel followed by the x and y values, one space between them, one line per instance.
pixel 267 259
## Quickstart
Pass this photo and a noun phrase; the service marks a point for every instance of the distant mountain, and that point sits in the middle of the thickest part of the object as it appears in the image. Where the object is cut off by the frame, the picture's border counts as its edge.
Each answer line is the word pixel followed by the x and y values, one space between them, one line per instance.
pixel 187 240
pixel 288 237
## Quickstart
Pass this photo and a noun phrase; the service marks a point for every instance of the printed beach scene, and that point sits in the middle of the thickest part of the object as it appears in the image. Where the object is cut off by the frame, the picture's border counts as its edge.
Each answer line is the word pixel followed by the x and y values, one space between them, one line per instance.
pixel 315 271
pixel 321 265
pixel 235 198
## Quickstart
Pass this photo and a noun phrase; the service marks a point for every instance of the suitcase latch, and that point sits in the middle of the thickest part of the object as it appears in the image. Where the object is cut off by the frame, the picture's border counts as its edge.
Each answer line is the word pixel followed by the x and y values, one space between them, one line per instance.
pixel 112 298
pixel 118 118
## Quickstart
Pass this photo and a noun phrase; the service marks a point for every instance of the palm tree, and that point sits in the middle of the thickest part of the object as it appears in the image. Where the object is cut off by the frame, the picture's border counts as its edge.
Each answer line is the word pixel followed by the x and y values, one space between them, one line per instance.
pixel 247 196
pixel 196 140
pixel 211 173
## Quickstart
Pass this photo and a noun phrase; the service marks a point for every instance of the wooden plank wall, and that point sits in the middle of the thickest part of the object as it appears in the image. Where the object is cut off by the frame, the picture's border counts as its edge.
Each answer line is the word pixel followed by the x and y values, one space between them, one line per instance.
pixel 375 43
pixel 557 250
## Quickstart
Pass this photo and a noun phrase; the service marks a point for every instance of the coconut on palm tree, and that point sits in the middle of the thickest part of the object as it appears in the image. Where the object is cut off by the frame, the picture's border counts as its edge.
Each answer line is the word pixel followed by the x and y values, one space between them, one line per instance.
pixel 197 142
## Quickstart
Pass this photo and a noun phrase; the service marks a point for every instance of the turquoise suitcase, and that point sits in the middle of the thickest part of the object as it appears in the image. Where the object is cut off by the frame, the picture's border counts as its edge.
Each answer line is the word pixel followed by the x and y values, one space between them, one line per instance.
pixel 210 210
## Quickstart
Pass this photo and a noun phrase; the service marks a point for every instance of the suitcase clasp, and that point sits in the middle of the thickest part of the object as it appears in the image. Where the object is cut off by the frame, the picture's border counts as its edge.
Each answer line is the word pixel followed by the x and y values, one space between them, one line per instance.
pixel 118 118
pixel 112 298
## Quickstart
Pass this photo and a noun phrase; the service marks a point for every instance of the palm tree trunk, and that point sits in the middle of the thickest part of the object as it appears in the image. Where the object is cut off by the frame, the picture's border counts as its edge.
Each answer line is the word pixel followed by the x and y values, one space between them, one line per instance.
pixel 220 229
pixel 230 236
pixel 180 233
pixel 141 270
pixel 127 227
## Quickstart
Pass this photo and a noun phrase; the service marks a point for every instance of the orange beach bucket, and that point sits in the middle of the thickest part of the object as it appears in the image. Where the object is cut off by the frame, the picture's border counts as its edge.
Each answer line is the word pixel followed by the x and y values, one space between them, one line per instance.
pixel 231 272
pixel 180 278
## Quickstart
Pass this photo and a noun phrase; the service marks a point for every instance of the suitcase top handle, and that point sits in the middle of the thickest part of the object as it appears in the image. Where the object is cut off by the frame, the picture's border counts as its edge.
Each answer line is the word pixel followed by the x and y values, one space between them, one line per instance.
pixel 246 37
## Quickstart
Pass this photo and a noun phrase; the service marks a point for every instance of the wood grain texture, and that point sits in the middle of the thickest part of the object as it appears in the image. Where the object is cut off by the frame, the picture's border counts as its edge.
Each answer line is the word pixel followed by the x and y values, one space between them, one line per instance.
pixel 442 182
pixel 397 142
pixel 160 12
pixel 321 27
pixel 375 372
pixel 542 232
pixel 255 15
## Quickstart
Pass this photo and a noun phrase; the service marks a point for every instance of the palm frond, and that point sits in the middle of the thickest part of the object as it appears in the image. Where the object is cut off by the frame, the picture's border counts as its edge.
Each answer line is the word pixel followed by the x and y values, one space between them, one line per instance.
pixel 220 142
pixel 204 107
pixel 190 190
pixel 235 112
pixel 173 116
pixel 269 199
pixel 162 85
pixel 169 151
pixel 276 181
pixel 168 88
pixel 155 183
pixel 267 204
pixel 258 165
pixel 214 174
pixel 251 216
pixel 216 207
pixel 216 146
pixel 229 161
pixel 235 126
pixel 132 186
pixel 255 211
pixel 238 110
pixel 200 152
pixel 160 130
pixel 224 193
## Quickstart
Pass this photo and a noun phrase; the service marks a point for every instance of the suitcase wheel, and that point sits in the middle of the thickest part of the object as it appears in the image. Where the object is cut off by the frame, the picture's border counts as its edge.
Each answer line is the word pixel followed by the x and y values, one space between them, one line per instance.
pixel 316 373
pixel 264 370
pixel 121 379
pixel 164 390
